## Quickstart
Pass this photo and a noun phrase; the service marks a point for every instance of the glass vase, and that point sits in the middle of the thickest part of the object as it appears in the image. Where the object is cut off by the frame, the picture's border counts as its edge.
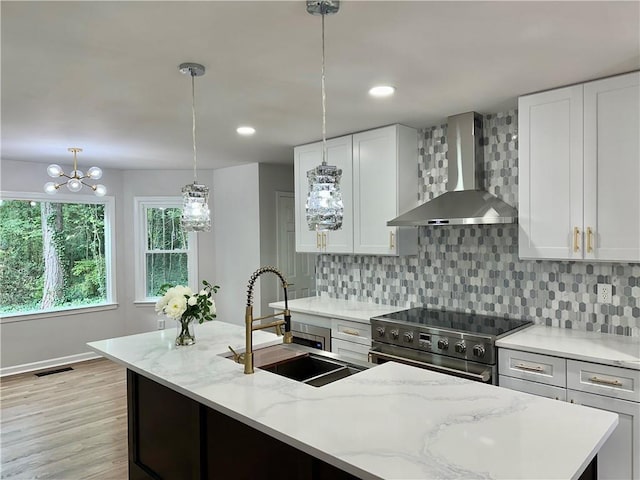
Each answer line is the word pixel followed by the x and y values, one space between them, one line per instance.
pixel 185 334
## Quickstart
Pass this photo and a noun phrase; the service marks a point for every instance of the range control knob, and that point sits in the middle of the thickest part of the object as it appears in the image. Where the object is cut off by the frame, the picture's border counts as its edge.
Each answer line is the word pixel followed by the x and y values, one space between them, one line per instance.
pixel 408 337
pixel 395 333
pixel 461 347
pixel 443 344
pixel 380 331
pixel 478 351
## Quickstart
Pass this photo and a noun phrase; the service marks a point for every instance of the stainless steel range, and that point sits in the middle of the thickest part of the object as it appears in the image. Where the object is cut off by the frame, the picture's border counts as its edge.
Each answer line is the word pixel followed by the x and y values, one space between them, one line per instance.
pixel 455 343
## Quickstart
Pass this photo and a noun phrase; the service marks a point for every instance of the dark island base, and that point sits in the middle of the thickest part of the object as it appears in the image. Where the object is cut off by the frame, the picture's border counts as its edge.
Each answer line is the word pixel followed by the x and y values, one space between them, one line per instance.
pixel 174 437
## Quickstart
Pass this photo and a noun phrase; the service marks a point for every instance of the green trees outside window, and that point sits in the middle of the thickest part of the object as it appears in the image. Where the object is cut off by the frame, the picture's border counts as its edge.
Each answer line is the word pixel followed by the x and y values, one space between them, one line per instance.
pixel 51 255
pixel 167 248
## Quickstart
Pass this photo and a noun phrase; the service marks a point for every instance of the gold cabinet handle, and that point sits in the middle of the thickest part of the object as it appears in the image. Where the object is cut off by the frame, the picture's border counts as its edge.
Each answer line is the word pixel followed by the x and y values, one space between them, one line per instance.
pixel 529 368
pixel 318 242
pixel 604 381
pixel 349 331
pixel 589 240
pixel 576 243
pixel 324 240
pixel 392 238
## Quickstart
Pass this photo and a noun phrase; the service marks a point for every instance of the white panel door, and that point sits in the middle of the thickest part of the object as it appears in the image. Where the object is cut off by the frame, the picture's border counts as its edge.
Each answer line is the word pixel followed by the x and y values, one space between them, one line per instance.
pixel 550 174
pixel 298 268
pixel 612 168
pixel 375 181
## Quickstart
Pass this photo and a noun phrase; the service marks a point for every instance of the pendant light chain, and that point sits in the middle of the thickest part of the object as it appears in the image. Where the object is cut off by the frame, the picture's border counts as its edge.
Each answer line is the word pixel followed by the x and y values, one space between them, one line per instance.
pixel 324 104
pixel 193 123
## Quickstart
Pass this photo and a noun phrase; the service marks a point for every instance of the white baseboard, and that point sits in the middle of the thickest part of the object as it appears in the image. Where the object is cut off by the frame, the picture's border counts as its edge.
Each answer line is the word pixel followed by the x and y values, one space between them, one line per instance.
pixel 44 364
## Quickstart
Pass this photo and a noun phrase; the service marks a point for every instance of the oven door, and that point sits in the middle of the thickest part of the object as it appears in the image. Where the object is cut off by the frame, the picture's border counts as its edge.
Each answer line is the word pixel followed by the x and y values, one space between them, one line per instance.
pixel 381 353
pixel 311 336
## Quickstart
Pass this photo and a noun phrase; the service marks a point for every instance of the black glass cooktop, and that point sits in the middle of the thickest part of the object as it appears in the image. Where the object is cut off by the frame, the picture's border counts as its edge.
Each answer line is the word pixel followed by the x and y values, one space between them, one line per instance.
pixel 456 321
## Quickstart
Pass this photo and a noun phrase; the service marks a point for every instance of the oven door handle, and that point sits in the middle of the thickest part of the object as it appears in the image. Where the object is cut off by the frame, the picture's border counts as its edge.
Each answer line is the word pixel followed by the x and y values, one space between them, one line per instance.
pixel 485 376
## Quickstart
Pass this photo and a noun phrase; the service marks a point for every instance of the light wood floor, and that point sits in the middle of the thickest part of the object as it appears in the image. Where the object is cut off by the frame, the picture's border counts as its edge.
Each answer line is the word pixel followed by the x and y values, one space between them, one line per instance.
pixel 67 426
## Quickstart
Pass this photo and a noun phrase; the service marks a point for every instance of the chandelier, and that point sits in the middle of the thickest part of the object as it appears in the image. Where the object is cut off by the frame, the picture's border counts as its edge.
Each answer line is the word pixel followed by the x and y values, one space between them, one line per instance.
pixel 75 181
pixel 195 196
pixel 324 205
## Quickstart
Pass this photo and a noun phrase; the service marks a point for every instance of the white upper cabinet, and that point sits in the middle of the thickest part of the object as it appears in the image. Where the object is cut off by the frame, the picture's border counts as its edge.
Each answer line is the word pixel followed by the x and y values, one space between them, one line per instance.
pixel 579 167
pixel 379 181
pixel 612 168
pixel 385 184
pixel 308 157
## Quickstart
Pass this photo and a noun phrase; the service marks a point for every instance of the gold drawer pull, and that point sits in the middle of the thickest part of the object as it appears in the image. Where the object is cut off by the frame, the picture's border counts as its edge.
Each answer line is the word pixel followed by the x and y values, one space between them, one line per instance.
pixel 318 243
pixel 604 381
pixel 529 368
pixel 324 240
pixel 349 331
pixel 589 240
pixel 576 243
pixel 392 243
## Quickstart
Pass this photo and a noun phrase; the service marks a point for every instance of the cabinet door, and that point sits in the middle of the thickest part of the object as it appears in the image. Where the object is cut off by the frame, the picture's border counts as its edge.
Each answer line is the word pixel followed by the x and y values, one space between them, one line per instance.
pixel 306 158
pixel 534 388
pixel 550 174
pixel 350 349
pixel 612 168
pixel 619 458
pixel 384 185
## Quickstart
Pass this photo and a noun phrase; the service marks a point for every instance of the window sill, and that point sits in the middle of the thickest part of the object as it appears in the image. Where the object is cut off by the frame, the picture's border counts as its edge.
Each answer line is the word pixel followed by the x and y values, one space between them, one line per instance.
pixel 145 303
pixel 21 317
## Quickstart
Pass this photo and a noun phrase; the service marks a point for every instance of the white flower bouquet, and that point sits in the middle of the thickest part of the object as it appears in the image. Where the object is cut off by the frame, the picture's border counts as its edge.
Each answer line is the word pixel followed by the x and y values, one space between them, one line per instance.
pixel 182 304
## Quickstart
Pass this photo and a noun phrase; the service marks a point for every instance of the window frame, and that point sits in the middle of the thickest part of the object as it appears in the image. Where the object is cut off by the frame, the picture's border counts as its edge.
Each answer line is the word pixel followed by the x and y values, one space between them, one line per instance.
pixel 109 253
pixel 141 204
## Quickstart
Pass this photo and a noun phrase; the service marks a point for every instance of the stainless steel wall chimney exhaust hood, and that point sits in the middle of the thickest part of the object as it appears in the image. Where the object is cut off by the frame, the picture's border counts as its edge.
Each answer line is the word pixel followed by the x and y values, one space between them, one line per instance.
pixel 465 202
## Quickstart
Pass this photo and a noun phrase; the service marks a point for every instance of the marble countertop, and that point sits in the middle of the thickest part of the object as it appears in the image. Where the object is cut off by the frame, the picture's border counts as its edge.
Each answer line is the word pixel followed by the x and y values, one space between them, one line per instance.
pixel 336 308
pixel 392 421
pixel 593 347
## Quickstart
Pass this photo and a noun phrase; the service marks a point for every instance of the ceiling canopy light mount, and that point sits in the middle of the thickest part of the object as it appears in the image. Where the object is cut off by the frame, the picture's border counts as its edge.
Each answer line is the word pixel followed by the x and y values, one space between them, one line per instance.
pixel 75 181
pixel 195 196
pixel 324 206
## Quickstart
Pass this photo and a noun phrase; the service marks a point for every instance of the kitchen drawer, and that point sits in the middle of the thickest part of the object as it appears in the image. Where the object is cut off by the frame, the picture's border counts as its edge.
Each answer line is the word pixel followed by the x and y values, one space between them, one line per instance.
pixel 351 331
pixel 350 349
pixel 534 388
pixel 616 382
pixel 532 366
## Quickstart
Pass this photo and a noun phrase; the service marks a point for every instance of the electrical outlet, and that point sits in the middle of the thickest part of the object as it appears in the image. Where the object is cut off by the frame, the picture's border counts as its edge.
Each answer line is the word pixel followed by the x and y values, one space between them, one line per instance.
pixel 603 291
pixel 161 324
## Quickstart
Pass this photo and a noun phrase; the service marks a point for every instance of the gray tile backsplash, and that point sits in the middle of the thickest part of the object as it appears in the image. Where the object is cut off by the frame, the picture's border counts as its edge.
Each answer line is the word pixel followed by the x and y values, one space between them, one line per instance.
pixel 476 268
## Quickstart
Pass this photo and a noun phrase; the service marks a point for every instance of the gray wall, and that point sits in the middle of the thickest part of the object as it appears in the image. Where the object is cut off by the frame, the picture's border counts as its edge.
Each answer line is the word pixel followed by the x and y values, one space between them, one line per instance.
pixel 476 268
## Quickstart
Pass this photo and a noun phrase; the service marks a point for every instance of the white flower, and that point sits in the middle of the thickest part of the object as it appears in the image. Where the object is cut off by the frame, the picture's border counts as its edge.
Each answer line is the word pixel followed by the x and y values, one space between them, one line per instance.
pixel 212 307
pixel 176 307
pixel 161 303
pixel 193 299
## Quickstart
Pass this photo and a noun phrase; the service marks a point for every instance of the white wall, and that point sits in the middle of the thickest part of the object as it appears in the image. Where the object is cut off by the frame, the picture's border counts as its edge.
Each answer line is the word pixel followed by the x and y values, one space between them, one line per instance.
pixel 236 236
pixel 48 338
pixel 273 179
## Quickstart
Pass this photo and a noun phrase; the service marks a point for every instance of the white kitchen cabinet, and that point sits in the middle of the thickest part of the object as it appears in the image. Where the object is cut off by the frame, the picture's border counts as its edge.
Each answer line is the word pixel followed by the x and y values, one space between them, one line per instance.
pixel 379 181
pixel 351 339
pixel 350 349
pixel 619 457
pixel 308 157
pixel 579 166
pixel 594 385
pixel 385 169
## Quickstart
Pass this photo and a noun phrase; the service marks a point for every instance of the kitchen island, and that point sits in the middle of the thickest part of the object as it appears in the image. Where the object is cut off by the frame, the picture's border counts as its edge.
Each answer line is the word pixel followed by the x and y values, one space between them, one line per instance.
pixel 391 421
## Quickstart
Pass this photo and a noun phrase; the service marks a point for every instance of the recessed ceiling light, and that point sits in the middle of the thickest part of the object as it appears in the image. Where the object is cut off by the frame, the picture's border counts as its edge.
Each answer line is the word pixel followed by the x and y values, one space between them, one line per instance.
pixel 382 91
pixel 246 131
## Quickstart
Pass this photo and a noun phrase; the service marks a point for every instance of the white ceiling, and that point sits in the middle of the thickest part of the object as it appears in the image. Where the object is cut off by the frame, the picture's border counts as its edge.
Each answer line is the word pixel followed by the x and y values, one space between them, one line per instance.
pixel 103 75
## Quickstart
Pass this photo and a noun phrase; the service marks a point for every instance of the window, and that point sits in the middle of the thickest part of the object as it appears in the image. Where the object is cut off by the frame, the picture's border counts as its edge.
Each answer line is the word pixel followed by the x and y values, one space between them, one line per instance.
pixel 165 254
pixel 55 252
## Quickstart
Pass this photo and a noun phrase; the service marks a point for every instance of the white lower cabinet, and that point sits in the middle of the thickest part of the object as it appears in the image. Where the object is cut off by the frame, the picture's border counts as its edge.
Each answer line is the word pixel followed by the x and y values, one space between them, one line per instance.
pixel 619 456
pixel 613 389
pixel 351 339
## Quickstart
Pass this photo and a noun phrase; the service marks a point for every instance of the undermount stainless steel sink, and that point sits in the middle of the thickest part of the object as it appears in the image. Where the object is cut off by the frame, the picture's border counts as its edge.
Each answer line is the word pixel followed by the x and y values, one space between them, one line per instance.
pixel 306 365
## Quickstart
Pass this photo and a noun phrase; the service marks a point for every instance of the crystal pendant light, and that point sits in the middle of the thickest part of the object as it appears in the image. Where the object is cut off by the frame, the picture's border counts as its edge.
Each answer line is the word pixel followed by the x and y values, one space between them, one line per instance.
pixel 76 179
pixel 324 203
pixel 195 196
